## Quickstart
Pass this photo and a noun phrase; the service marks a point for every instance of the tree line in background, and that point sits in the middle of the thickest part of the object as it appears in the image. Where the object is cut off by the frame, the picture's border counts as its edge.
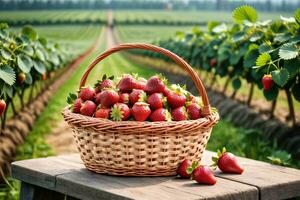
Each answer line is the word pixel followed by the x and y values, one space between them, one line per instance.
pixel 268 5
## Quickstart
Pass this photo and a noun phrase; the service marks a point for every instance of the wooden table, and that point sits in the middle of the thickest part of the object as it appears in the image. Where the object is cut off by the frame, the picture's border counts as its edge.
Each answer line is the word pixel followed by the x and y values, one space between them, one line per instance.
pixel 54 177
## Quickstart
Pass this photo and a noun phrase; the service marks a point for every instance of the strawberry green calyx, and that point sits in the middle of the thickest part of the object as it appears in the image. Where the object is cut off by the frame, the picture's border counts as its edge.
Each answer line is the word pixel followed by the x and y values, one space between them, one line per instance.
pixel 190 169
pixel 162 78
pixel 219 155
pixel 116 113
pixel 168 115
pixel 142 97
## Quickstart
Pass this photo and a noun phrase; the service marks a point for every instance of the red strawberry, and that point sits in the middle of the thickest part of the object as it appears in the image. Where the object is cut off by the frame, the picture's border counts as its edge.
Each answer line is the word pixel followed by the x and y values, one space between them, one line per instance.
pixel 160 114
pixel 182 169
pixel 120 112
pixel 88 108
pixel 204 175
pixel 140 111
pixel 176 100
pixel 2 106
pixel 44 77
pixel 124 98
pixel 127 83
pixel 267 81
pixel 107 83
pixel 87 93
pixel 156 101
pixel 167 91
pixel 107 98
pixel 227 162
pixel 102 113
pixel 155 85
pixel 194 111
pixel 141 83
pixel 137 95
pixel 21 77
pixel 179 114
pixel 77 105
pixel 213 62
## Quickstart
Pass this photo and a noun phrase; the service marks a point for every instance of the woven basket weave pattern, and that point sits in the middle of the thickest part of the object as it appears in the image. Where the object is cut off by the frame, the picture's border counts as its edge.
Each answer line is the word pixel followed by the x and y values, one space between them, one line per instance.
pixel 133 148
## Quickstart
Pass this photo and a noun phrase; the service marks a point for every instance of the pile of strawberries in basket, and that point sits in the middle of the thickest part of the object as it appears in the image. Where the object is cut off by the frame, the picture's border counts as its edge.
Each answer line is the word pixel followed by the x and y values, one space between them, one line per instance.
pixel 131 97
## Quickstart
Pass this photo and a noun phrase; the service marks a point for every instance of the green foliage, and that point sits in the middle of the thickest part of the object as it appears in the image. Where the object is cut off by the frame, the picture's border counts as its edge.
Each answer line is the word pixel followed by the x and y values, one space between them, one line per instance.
pixel 244 13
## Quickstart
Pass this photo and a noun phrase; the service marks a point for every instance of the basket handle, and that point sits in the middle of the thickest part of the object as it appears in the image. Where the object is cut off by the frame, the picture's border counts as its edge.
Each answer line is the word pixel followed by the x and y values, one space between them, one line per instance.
pixel 206 109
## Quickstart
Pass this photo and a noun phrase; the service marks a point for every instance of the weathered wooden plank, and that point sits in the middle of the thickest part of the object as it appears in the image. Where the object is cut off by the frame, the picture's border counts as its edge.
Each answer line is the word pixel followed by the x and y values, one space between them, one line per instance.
pixel 274 182
pixel 26 192
pixel 42 171
pixel 84 184
pixel 33 192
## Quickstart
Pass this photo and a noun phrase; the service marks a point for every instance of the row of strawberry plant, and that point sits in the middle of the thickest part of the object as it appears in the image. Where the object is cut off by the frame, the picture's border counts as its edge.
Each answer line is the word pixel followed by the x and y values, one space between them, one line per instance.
pixel 264 53
pixel 28 63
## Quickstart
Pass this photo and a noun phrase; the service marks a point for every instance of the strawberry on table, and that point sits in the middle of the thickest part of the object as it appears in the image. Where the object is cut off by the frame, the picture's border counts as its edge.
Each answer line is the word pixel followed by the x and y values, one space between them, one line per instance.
pixel 227 162
pixel 127 83
pixel 179 114
pixel 155 84
pixel 182 169
pixel 87 93
pixel 120 112
pixel 102 113
pixel 137 95
pixel 160 114
pixel 204 175
pixel 194 111
pixel 88 108
pixel 107 97
pixel 141 111
pixel 124 98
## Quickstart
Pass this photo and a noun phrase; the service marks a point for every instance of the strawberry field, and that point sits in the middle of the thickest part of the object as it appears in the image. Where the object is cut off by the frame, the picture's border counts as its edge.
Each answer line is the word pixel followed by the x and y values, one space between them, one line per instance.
pixel 246 58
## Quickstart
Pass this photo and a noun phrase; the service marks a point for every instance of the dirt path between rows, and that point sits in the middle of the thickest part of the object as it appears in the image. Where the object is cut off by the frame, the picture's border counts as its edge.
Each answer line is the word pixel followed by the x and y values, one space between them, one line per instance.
pixel 61 139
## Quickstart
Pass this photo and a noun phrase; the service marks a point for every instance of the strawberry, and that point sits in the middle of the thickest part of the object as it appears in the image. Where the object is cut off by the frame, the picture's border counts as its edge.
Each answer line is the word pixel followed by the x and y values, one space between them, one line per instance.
pixel 77 105
pixel 124 98
pixel 127 83
pixel 182 169
pixel 194 111
pixel 155 84
pixel 120 112
pixel 107 83
pixel 102 113
pixel 176 99
pixel 179 114
pixel 44 77
pixel 141 83
pixel 156 101
pixel 140 111
pixel 167 91
pixel 21 78
pixel 2 106
pixel 87 93
pixel 137 95
pixel 88 108
pixel 213 62
pixel 227 162
pixel 204 175
pixel 107 98
pixel 160 114
pixel 267 81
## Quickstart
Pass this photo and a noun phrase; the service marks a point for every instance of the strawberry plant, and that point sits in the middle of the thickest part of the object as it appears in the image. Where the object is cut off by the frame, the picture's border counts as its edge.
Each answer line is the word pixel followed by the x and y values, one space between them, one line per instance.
pixel 25 61
pixel 263 53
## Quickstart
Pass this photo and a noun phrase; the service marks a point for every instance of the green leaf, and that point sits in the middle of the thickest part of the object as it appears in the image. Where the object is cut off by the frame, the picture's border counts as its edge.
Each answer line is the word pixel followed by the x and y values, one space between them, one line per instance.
pixel 288 51
pixel 263 59
pixel 250 58
pixel 40 54
pixel 24 63
pixel 292 66
pixel 8 89
pixel 194 164
pixel 6 54
pixel 28 79
pixel 236 83
pixel 71 98
pixel 271 94
pixel 211 25
pixel 296 91
pixel 282 37
pixel 28 50
pixel 297 15
pixel 7 74
pixel 220 28
pixel 29 32
pixel 288 19
pixel 39 67
pixel 244 13
pixel 265 48
pixel 280 77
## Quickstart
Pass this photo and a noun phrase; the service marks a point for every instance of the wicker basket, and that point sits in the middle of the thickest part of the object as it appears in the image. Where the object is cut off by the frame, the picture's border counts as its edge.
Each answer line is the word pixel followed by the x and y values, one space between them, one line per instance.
pixel 131 148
